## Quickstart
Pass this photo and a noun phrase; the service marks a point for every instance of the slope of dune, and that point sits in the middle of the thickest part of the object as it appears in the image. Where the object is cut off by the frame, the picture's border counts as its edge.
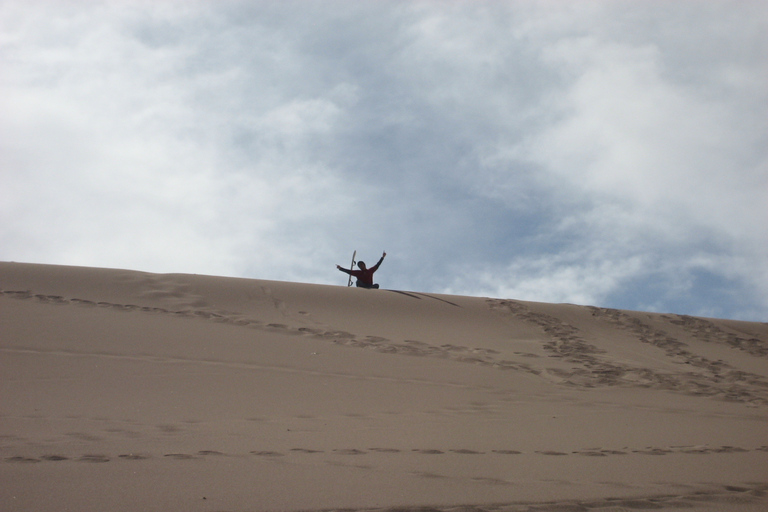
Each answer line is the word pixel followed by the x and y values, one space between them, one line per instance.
pixel 126 390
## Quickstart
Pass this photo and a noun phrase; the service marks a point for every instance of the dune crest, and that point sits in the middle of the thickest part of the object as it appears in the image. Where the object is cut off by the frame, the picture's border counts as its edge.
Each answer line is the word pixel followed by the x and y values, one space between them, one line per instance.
pixel 186 392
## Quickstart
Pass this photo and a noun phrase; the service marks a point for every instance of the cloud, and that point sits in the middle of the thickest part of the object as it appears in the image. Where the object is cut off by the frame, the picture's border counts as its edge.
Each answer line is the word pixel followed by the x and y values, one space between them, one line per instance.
pixel 650 168
pixel 590 152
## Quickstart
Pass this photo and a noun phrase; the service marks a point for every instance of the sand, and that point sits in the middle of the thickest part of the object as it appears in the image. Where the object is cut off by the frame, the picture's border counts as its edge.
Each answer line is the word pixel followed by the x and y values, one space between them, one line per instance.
pixel 124 390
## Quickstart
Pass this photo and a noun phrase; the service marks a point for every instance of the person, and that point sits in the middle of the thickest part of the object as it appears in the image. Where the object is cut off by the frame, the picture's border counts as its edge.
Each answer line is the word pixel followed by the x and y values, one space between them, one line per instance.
pixel 364 275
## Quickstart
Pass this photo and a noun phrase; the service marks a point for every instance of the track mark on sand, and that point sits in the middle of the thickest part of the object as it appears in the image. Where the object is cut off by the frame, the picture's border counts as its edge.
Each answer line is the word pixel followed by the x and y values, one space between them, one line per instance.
pixel 18 294
pixel 23 460
pixel 180 456
pixel 687 450
pixel 134 456
pixel 653 451
pixel 94 458
pixel 592 368
pixel 719 378
pixel 54 458
pixel 349 451
pixel 437 298
pixel 590 453
pixel 482 357
pixel 210 452
pixel 707 331
pixel 267 453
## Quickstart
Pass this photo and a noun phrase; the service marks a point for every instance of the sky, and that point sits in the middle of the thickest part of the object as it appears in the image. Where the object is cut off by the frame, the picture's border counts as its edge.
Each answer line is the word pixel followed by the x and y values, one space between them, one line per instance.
pixel 610 153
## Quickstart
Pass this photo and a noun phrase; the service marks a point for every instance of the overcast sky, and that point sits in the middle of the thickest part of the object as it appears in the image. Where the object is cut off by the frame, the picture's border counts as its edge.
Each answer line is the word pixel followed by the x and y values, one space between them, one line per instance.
pixel 612 153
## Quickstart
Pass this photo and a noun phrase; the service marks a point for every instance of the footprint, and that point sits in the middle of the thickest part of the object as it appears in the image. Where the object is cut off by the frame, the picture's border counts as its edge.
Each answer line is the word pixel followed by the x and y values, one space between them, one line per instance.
pixel 133 456
pixel 507 452
pixel 464 451
pixel 695 450
pixel 18 294
pixel 305 450
pixel 209 452
pixel 54 458
pixel 385 450
pixel 429 452
pixel 126 307
pixel 147 309
pixel 653 451
pixel 266 453
pixel 93 458
pixel 349 451
pixel 179 456
pixel 23 460
pixel 729 449
pixel 339 334
pixel 549 452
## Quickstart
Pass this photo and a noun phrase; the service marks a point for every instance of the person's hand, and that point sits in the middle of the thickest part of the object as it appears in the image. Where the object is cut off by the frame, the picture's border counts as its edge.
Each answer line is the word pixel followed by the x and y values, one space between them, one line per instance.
pixel 338 267
pixel 383 255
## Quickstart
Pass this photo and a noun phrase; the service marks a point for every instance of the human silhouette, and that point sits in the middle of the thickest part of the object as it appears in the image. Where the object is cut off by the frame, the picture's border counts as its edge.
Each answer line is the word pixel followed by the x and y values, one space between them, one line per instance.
pixel 364 275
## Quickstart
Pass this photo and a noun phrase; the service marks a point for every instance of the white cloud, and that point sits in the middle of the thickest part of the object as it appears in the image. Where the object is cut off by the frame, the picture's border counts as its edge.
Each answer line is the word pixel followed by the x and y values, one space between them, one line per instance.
pixel 574 278
pixel 538 150
pixel 654 167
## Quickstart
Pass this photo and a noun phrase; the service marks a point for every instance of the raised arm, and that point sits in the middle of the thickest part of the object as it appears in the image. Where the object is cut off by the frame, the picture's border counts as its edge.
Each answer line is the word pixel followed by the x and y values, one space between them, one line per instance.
pixel 344 270
pixel 376 266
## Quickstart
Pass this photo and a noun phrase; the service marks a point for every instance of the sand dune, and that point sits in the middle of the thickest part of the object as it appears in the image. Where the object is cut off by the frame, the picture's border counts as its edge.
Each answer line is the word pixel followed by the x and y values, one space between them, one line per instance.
pixel 131 391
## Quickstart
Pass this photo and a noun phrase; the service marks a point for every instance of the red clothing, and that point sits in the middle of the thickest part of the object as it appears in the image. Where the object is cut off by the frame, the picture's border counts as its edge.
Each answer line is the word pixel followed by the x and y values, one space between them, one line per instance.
pixel 364 276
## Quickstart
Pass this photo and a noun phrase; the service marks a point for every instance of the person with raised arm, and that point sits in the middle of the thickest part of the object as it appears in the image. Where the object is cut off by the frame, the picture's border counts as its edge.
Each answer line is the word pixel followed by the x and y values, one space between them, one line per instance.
pixel 364 276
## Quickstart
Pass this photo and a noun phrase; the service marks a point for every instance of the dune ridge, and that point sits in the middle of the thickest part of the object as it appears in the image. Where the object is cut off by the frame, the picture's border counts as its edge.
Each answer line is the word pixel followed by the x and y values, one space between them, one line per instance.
pixel 130 390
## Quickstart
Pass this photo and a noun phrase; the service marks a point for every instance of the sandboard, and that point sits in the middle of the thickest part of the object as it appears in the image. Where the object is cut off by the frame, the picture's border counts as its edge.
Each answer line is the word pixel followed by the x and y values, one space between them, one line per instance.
pixel 352 267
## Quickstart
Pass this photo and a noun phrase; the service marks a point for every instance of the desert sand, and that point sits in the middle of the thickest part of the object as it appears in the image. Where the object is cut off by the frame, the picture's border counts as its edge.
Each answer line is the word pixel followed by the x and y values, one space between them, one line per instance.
pixel 130 391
